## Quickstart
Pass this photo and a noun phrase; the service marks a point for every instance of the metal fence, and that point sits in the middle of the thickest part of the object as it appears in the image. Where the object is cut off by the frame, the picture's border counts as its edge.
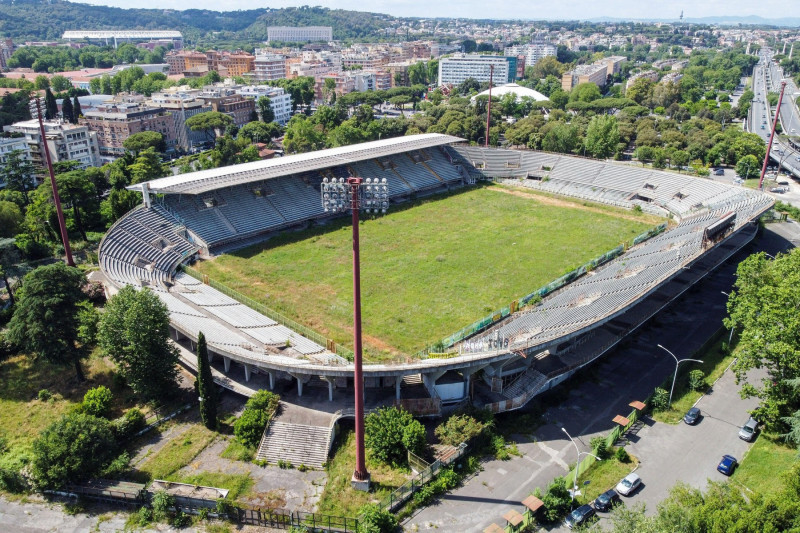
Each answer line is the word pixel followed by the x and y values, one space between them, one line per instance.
pixel 283 519
pixel 271 313
pixel 400 495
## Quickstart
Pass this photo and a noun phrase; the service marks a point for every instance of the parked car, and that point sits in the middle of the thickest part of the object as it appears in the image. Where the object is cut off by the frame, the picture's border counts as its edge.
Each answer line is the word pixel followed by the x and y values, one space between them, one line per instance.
pixel 580 516
pixel 750 428
pixel 727 465
pixel 719 172
pixel 629 484
pixel 607 500
pixel 692 416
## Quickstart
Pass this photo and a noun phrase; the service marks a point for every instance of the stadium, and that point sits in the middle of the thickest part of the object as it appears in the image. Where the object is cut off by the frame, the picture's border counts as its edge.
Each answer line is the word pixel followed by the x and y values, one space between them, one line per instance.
pixel 501 361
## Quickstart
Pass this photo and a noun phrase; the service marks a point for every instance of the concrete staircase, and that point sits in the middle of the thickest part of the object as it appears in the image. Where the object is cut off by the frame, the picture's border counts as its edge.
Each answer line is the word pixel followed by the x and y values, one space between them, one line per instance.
pixel 297 444
pixel 529 381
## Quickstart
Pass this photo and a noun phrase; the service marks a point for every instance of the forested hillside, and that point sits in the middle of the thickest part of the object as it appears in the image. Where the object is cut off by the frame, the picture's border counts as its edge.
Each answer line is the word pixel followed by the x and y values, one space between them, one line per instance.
pixel 45 20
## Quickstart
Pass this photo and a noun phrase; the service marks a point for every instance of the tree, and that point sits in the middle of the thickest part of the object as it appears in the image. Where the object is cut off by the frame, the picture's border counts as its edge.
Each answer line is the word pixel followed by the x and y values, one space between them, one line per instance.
pixel 546 66
pixel 212 123
pixel 205 385
pixel 391 432
pixel 144 140
pixel 66 110
pixel 45 323
pixel 265 109
pixel 260 132
pixel 11 218
pixel 134 332
pixel 585 92
pixel 375 519
pixel 76 109
pixel 72 449
pixel 302 135
pixel 763 306
pixel 9 256
pixel 258 411
pixel 50 105
pixel 18 173
pixel 748 167
pixel 76 191
pixel 602 136
pixel 641 91
pixel 749 144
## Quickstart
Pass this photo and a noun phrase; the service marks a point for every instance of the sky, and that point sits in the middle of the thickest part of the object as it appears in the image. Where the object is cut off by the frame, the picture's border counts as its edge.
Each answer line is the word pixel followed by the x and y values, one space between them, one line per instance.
pixel 504 9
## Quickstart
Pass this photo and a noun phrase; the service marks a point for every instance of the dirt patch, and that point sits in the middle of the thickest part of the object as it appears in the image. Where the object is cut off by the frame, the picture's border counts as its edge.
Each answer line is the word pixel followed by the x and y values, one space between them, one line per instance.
pixel 561 202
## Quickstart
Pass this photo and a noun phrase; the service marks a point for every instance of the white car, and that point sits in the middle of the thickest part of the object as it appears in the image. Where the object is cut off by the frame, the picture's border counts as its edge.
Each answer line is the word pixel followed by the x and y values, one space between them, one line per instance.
pixel 629 484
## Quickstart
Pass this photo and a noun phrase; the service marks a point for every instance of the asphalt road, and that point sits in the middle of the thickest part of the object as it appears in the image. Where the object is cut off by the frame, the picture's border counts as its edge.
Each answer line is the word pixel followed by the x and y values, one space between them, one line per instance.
pixel 629 373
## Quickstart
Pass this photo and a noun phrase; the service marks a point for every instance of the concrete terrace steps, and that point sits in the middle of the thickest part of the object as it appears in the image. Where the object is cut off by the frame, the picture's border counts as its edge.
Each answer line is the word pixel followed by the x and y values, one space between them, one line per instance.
pixel 297 444
pixel 529 381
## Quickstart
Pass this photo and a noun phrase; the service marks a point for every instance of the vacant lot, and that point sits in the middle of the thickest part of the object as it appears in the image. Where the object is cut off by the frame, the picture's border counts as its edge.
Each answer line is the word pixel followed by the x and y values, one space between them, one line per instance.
pixel 428 268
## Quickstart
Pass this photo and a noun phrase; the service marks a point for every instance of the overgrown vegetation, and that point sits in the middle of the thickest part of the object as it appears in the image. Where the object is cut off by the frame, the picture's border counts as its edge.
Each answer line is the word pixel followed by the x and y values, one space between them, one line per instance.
pixel 258 412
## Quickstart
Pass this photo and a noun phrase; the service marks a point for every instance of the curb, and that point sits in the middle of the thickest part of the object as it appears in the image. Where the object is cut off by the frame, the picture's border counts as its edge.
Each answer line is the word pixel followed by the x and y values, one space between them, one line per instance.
pixel 715 381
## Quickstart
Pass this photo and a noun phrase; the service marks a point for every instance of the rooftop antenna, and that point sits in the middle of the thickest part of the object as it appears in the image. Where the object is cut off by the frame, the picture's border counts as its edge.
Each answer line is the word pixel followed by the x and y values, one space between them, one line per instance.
pixel 681 17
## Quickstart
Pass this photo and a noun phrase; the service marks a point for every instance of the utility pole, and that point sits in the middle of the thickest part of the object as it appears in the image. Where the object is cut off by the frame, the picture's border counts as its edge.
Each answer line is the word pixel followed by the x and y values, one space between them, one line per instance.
pixel 772 135
pixel 489 107
pixel 36 111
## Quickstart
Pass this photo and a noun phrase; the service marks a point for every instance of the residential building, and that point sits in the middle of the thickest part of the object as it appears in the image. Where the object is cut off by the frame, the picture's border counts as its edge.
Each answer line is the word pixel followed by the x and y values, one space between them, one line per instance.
pixel 458 67
pixel 533 52
pixel 613 64
pixel 119 118
pixel 237 63
pixel 439 49
pixel 651 75
pixel 279 100
pixel 294 34
pixel 67 142
pixel 225 99
pixel 183 103
pixel 594 73
pixel 13 144
pixel 268 67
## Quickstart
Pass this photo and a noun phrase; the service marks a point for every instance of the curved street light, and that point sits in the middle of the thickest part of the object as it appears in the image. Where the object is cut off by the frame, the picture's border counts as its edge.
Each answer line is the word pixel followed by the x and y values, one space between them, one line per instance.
pixel 575 480
pixel 677 362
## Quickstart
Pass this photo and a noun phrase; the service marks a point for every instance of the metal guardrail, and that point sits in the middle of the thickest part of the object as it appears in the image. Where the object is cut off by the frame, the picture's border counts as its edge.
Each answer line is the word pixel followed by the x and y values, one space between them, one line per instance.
pixel 271 313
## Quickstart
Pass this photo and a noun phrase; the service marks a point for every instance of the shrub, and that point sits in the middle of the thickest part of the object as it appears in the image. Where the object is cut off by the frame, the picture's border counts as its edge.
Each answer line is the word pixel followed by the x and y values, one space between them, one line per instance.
pixel 457 429
pixel 162 503
pixel 264 400
pixel 697 380
pixel 249 427
pixel 376 520
pixel 44 395
pixel 72 449
pixel 97 401
pixel 622 455
pixel 391 432
pixel 499 448
pixel 600 447
pixel 557 500
pixel 129 424
pixel 95 292
pixel 117 467
pixel 660 399
pixel 180 520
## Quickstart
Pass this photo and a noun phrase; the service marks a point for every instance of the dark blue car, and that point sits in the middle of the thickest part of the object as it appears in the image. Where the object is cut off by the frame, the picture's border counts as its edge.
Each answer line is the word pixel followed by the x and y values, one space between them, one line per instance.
pixel 727 465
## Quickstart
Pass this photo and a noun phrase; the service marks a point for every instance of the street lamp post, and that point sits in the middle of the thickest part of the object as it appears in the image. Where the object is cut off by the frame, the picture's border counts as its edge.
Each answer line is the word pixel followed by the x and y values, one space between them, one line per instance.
pixel 339 195
pixel 36 113
pixel 575 480
pixel 730 337
pixel 677 362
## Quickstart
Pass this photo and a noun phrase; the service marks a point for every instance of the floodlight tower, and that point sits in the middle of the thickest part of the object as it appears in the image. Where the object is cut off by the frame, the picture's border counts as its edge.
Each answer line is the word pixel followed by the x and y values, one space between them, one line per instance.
pixel 372 195
pixel 35 107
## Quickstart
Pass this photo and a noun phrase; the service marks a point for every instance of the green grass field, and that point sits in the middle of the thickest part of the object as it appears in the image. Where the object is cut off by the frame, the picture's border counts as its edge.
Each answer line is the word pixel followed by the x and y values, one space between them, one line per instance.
pixel 428 268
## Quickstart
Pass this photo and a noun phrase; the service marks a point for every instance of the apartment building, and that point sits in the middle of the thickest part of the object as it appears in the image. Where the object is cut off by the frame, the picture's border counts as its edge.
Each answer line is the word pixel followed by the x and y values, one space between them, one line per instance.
pixel 532 52
pixel 594 73
pixel 267 66
pixel 117 119
pixel 279 100
pixel 295 34
pixel 458 67
pixel 66 142
pixel 13 144
pixel 182 103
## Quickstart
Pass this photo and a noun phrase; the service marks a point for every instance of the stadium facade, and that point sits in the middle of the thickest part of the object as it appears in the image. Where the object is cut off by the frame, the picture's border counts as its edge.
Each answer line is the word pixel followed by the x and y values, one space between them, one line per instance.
pixel 519 355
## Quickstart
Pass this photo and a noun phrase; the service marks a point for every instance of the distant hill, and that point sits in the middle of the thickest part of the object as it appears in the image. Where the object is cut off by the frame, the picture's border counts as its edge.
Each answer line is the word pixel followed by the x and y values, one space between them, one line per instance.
pixel 48 19
pixel 727 20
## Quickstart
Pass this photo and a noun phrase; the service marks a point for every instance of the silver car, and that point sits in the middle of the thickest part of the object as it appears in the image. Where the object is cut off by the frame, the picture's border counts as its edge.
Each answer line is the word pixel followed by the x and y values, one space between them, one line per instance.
pixel 749 429
pixel 629 484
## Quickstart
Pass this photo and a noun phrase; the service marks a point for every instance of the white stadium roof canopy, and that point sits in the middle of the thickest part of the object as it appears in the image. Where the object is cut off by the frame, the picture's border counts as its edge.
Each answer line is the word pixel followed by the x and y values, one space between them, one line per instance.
pixel 217 178
pixel 513 88
pixel 122 34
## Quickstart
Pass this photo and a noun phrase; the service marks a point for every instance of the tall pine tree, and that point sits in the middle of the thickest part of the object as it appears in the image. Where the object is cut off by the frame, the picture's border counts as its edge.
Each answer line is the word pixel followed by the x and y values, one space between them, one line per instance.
pixel 76 110
pixel 50 105
pixel 66 110
pixel 205 385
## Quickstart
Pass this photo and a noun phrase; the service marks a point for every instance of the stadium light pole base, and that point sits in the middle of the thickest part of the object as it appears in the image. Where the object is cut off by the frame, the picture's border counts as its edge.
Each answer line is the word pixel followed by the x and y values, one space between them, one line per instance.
pixel 360 484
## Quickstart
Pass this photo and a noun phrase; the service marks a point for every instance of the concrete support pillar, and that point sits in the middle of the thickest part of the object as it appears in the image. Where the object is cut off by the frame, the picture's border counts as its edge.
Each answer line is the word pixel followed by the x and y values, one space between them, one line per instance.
pixel 429 380
pixel 300 380
pixel 397 382
pixel 467 373
pixel 192 346
pixel 210 356
pixel 271 380
pixel 247 372
pixel 227 362
pixel 331 385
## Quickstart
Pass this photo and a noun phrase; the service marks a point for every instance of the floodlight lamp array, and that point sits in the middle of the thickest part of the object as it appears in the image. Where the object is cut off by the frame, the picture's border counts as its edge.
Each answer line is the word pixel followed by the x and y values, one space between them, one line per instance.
pixel 34 108
pixel 374 195
pixel 335 195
